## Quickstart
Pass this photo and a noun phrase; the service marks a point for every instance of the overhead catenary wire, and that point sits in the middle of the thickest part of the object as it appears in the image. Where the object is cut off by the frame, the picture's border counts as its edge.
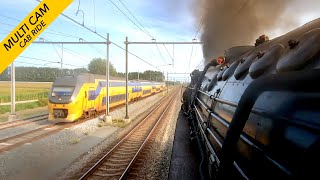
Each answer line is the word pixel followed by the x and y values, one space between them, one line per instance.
pixel 101 52
pixel 136 19
pixel 43 60
pixel 131 19
pixel 76 22
pixel 161 54
pixel 70 51
pixel 168 52
pixel 190 57
pixel 57 52
pixel 75 53
pixel 54 32
pixel 199 63
pixel 26 57
pixel 33 64
pixel 143 29
pixel 189 60
pixel 110 41
pixel 199 28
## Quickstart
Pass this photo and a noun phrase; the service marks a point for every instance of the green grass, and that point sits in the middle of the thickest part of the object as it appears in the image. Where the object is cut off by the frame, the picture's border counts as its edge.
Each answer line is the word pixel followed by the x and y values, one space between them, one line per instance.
pixel 119 123
pixel 24 106
pixel 74 140
pixel 101 123
pixel 24 91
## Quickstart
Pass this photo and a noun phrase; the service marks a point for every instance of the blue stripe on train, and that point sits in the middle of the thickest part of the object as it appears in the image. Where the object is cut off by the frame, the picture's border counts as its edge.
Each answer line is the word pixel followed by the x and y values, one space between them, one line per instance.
pixel 93 94
pixel 136 89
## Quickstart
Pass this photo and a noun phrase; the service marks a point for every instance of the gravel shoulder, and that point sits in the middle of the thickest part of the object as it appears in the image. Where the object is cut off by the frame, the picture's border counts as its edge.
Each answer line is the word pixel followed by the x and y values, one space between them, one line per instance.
pixel 58 155
pixel 156 161
pixel 5 133
pixel 25 113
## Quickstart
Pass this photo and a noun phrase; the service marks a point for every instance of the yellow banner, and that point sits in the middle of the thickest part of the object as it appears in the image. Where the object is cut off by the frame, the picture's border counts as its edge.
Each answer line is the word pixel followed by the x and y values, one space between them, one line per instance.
pixel 29 29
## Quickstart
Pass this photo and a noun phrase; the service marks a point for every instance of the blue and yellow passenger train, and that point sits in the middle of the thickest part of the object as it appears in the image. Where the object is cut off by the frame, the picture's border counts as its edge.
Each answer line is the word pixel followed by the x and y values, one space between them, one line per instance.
pixel 72 97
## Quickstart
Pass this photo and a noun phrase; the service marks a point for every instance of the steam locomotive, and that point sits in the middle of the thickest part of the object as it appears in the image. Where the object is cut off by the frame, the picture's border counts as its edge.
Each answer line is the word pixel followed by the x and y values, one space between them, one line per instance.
pixel 255 112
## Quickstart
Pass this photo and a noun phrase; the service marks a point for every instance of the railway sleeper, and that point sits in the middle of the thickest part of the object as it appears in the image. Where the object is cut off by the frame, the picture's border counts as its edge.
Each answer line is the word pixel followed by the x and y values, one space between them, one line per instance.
pixel 129 148
pixel 123 156
pixel 129 151
pixel 112 170
pixel 138 135
pixel 110 165
pixel 120 153
pixel 107 175
pixel 113 159
pixel 132 143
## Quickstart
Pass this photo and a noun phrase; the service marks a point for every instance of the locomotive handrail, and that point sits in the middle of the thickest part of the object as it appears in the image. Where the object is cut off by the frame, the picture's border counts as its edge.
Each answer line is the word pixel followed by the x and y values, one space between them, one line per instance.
pixel 217 140
pixel 205 93
pixel 242 137
pixel 202 121
pixel 222 121
pixel 206 139
pixel 294 81
pixel 219 100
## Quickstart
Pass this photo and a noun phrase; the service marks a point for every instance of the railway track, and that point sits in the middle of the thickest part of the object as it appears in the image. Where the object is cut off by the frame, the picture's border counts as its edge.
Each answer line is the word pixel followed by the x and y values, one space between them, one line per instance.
pixel 30 136
pixel 23 121
pixel 117 162
pixel 42 117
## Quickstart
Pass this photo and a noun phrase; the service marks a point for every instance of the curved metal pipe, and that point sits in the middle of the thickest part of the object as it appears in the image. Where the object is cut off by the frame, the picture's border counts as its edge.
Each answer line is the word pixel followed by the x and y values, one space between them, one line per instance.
pixel 197 86
pixel 301 81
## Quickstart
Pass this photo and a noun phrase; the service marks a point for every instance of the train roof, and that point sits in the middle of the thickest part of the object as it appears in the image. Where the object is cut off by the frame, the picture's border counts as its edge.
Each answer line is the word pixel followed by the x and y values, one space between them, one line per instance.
pixel 91 78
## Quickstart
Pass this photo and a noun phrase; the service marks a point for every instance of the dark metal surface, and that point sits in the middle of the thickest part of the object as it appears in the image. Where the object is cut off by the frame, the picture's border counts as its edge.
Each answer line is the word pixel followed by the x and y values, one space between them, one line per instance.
pixel 267 131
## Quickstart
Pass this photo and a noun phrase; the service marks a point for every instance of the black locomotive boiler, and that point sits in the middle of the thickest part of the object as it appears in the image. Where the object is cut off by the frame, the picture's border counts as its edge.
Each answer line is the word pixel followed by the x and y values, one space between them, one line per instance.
pixel 256 111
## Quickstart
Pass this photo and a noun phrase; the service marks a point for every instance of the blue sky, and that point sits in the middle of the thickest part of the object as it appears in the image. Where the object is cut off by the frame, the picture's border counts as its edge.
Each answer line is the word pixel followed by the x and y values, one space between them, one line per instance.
pixel 164 20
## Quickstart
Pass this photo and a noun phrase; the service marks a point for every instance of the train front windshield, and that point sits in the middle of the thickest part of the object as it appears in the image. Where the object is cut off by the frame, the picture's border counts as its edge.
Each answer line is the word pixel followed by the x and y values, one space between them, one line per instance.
pixel 62 91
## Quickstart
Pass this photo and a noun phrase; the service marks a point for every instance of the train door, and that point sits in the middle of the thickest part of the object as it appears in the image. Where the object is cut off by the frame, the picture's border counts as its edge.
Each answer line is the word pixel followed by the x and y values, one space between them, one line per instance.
pixel 91 98
pixel 102 100
pixel 135 92
pixel 85 100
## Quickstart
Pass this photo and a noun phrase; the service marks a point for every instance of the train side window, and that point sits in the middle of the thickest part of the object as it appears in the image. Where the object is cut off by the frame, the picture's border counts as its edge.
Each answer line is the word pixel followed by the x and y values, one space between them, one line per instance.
pixel 85 94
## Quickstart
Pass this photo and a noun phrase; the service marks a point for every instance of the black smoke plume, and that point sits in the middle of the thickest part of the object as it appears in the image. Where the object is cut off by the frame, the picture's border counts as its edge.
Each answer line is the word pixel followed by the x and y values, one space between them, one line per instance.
pixel 228 23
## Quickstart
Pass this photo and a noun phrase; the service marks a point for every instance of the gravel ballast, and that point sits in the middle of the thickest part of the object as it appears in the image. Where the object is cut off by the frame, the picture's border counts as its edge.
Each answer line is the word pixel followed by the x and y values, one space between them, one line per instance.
pixel 156 163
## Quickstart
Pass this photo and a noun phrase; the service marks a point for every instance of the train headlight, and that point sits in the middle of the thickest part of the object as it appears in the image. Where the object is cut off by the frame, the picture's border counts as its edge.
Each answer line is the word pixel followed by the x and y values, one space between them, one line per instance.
pixel 72 99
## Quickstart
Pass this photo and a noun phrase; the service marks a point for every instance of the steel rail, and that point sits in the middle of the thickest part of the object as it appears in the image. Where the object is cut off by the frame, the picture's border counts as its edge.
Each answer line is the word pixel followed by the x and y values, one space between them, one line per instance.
pixel 145 141
pixel 111 151
pixel 21 122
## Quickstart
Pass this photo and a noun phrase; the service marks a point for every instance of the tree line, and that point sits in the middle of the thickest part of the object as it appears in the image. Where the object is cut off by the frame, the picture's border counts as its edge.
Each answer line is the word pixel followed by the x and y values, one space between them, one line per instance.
pixel 96 66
